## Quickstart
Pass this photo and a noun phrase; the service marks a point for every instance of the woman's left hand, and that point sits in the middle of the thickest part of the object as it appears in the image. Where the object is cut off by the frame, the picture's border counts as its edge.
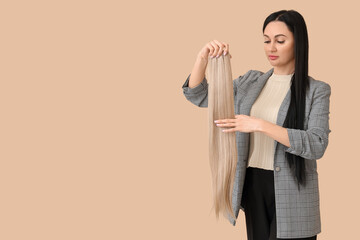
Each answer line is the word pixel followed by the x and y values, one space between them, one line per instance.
pixel 241 123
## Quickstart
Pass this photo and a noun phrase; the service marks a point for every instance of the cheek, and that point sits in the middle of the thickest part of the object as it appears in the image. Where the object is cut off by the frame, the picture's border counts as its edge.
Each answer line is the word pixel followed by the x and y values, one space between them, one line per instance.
pixel 289 51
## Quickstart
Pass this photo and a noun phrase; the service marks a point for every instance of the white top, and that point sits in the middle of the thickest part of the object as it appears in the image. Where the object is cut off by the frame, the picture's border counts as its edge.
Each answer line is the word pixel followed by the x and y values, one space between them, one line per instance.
pixel 266 107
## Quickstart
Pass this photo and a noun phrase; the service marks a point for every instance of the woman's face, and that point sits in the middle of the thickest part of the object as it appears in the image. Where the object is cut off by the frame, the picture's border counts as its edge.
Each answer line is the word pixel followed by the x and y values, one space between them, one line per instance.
pixel 279 41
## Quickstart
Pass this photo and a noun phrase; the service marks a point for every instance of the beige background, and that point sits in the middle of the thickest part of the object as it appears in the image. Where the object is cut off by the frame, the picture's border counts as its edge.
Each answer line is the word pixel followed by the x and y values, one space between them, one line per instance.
pixel 98 141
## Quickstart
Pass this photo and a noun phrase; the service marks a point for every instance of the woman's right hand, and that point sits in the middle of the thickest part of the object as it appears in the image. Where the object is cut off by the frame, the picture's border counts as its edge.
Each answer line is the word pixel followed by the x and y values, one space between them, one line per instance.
pixel 214 49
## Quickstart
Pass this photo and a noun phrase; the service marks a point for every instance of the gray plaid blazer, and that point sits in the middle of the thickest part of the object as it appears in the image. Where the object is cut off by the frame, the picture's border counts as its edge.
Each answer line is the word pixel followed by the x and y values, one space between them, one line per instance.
pixel 297 212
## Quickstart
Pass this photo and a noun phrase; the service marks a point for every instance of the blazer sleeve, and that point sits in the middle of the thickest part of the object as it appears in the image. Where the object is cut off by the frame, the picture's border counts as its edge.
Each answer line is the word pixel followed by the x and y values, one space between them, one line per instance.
pixel 198 95
pixel 312 143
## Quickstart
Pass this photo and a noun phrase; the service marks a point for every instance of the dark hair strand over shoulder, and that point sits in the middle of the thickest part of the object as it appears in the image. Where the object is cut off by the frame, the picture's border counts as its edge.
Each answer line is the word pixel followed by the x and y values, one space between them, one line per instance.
pixel 299 82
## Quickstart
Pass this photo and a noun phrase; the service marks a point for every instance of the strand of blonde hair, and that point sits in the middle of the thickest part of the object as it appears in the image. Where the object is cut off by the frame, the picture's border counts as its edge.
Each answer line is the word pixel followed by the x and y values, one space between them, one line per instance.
pixel 222 145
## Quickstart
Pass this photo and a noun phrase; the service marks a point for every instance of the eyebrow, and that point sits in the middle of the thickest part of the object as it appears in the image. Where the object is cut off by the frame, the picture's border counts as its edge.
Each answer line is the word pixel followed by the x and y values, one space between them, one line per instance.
pixel 275 35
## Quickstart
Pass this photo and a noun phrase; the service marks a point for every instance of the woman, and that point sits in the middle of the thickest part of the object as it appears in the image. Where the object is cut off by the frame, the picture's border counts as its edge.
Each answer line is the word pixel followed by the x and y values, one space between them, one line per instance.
pixel 276 185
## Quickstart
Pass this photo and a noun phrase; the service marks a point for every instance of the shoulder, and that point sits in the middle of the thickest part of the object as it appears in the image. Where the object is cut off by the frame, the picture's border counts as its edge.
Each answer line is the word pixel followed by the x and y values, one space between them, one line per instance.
pixel 314 83
pixel 248 78
pixel 318 87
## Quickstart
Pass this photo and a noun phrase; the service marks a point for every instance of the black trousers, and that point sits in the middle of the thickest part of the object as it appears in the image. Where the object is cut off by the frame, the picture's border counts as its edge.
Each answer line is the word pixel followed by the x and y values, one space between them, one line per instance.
pixel 258 200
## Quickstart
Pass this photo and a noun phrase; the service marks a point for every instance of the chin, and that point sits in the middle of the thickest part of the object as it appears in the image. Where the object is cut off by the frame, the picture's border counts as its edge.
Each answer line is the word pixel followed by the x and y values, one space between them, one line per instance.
pixel 273 64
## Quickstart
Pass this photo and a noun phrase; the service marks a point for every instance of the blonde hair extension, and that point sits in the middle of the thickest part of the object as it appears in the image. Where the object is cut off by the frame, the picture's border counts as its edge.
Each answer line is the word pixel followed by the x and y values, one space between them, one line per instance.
pixel 222 145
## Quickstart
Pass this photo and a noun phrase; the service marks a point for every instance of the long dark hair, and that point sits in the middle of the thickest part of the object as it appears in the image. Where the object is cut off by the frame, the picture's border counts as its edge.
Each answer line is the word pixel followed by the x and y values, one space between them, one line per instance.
pixel 299 82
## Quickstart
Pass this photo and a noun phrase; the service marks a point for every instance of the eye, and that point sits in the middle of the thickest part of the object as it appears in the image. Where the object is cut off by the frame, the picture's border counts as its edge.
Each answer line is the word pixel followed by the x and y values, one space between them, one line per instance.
pixel 281 42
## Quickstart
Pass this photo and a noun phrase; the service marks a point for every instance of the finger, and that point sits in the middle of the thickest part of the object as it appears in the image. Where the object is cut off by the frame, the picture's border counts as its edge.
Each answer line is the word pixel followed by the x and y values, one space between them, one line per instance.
pixel 225 120
pixel 229 130
pixel 220 120
pixel 221 47
pixel 211 48
pixel 216 48
pixel 225 124
pixel 226 50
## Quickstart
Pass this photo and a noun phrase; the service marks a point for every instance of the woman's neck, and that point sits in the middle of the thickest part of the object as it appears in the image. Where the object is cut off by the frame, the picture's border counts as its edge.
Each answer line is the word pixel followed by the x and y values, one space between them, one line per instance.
pixel 285 70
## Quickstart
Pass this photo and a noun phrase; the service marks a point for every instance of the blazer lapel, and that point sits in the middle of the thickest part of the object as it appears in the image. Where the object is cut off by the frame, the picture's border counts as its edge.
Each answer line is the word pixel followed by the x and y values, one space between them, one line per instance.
pixel 254 92
pixel 282 113
pixel 283 109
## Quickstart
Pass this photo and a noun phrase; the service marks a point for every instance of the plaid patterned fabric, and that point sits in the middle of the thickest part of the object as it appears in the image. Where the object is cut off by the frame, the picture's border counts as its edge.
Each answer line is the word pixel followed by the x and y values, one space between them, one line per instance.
pixel 297 212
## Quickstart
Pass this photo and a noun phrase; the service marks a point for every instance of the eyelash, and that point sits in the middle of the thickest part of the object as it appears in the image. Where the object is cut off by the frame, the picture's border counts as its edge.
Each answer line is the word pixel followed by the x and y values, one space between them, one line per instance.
pixel 281 42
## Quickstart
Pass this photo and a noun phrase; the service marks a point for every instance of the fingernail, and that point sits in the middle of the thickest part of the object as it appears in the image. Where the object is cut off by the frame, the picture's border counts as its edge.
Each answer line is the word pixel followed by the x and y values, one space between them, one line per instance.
pixel 225 53
pixel 215 121
pixel 217 56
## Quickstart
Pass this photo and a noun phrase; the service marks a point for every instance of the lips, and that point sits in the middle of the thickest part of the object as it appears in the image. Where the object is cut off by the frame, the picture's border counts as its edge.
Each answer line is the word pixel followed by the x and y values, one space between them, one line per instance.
pixel 272 57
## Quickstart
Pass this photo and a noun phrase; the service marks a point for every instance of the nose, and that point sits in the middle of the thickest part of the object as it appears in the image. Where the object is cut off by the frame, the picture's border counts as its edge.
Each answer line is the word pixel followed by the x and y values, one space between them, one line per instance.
pixel 272 47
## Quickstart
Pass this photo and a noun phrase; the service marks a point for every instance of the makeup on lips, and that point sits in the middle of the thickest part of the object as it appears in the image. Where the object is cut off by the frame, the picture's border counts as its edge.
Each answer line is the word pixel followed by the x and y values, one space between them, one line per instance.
pixel 272 57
